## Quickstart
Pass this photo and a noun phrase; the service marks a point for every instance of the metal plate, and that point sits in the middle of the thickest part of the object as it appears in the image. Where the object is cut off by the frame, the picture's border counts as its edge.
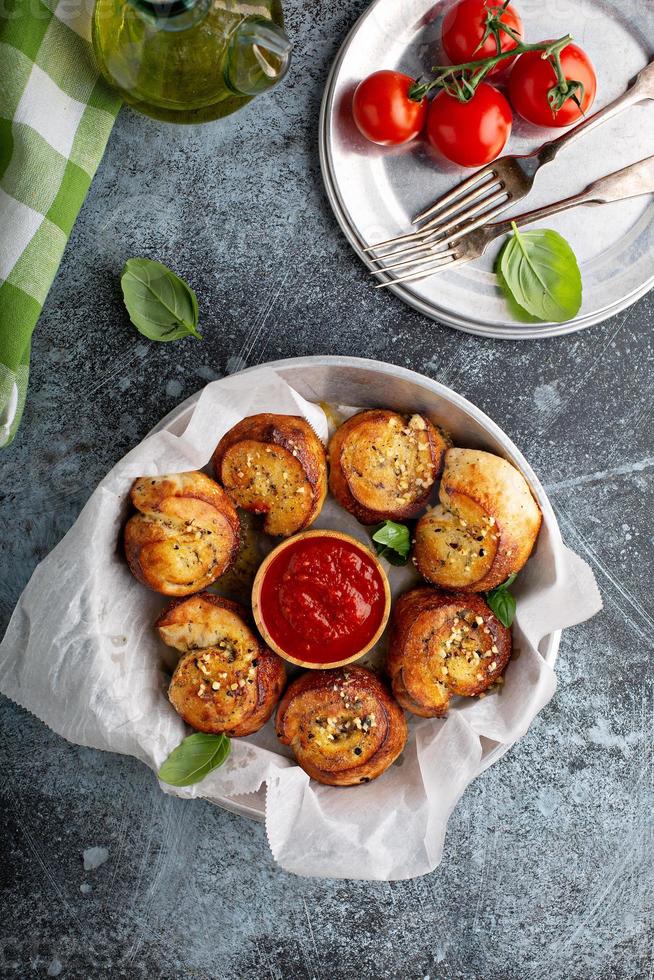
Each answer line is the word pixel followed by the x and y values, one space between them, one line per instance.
pixel 375 190
pixel 366 383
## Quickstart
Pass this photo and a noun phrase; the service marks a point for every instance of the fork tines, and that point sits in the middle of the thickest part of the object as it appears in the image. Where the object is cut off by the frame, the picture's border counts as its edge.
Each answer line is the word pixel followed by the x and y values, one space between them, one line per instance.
pixel 478 197
pixel 447 250
pixel 428 237
pixel 486 177
pixel 481 185
pixel 426 267
pixel 429 248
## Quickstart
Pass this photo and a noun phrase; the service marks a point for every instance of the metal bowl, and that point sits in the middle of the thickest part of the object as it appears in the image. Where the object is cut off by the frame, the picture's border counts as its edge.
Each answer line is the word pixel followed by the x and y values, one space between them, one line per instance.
pixel 368 384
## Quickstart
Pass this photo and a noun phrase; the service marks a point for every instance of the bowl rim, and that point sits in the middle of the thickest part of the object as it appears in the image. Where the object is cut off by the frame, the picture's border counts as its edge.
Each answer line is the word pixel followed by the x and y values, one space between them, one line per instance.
pixel 258 584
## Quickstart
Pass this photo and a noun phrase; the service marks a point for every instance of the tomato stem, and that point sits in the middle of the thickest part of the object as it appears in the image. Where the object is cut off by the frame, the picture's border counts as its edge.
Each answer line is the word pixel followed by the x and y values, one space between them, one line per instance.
pixel 494 26
pixel 565 88
pixel 461 81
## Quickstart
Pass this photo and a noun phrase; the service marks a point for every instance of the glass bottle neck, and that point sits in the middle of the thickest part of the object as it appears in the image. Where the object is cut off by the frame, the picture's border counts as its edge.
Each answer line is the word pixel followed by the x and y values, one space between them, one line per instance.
pixel 172 15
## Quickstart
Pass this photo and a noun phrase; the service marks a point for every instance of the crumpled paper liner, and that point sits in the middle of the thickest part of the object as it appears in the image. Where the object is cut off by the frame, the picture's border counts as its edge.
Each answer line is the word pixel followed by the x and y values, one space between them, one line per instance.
pixel 81 654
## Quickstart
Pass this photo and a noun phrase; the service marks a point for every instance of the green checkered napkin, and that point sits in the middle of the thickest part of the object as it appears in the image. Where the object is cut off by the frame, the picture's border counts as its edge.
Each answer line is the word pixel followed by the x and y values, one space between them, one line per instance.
pixel 55 119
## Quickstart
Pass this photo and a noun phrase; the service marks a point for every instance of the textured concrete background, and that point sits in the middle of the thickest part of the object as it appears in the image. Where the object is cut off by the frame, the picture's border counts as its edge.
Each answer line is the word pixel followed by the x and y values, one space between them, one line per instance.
pixel 547 870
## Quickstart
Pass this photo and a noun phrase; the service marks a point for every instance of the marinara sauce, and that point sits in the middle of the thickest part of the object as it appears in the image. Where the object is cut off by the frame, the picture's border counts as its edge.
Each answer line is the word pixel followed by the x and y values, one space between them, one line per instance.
pixel 322 599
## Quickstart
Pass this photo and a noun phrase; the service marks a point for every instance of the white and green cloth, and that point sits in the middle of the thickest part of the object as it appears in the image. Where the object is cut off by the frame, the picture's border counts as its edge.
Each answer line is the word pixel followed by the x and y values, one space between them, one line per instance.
pixel 56 115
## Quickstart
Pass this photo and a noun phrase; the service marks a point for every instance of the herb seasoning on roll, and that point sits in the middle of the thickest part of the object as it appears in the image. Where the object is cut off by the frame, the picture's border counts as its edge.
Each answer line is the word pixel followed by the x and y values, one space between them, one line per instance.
pixel 321 599
pixel 343 726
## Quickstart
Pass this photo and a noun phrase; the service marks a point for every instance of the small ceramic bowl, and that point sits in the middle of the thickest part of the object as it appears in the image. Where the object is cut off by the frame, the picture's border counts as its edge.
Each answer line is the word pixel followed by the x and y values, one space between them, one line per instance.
pixel 321 599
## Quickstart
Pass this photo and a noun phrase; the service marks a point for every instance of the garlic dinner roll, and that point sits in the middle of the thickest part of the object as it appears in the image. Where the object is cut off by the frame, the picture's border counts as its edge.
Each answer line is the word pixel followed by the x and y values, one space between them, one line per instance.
pixel 484 528
pixel 227 680
pixel 185 535
pixel 343 725
pixel 274 465
pixel 443 643
pixel 383 465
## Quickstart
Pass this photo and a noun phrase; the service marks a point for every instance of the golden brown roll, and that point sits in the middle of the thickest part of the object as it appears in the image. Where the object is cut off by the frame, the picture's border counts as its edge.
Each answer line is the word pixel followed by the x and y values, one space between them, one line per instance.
pixel 484 528
pixel 383 465
pixel 443 643
pixel 227 680
pixel 185 535
pixel 274 465
pixel 343 725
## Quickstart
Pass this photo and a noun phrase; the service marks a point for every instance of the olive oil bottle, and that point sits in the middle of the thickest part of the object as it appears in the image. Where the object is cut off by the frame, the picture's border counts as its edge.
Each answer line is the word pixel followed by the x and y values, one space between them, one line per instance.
pixel 190 61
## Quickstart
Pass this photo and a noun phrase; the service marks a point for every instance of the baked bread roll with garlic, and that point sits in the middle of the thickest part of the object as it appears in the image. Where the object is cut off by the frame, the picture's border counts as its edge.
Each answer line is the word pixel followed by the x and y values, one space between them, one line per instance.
pixel 343 725
pixel 185 535
pixel 441 644
pixel 484 528
pixel 383 465
pixel 274 465
pixel 227 680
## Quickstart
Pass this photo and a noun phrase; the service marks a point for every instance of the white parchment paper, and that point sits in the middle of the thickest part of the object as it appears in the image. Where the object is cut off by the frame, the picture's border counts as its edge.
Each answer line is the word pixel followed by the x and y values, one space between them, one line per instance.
pixel 81 654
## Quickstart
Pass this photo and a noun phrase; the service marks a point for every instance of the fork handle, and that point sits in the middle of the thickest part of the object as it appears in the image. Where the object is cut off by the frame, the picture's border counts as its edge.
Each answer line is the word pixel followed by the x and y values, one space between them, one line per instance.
pixel 498 228
pixel 633 181
pixel 642 88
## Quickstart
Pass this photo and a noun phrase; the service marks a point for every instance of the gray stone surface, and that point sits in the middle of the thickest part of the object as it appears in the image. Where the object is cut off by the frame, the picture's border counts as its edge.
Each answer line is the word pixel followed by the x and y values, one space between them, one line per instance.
pixel 547 870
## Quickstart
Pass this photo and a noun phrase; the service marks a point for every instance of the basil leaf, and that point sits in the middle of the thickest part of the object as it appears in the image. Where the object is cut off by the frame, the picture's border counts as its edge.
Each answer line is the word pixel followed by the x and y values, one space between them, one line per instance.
pixel 502 602
pixel 194 758
pixel 392 557
pixel 160 304
pixel 503 605
pixel 516 311
pixel 540 272
pixel 393 542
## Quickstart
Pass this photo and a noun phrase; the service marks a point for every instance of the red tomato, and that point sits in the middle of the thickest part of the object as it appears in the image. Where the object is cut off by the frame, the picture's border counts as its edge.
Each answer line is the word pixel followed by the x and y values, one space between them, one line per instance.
pixel 532 77
pixel 470 133
pixel 383 111
pixel 463 28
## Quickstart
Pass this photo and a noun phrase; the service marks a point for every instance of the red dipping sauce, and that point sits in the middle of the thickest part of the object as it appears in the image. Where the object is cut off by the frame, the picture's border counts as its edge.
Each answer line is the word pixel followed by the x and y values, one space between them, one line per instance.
pixel 322 599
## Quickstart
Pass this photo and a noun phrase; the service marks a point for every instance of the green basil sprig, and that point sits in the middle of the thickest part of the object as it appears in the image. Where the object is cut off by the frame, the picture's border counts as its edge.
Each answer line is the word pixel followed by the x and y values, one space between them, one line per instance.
pixel 502 602
pixel 160 304
pixel 393 542
pixel 194 758
pixel 538 270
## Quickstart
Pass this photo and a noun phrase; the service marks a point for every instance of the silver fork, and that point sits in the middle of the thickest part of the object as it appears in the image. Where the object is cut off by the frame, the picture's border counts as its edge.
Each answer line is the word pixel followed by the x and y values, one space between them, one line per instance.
pixel 472 239
pixel 493 189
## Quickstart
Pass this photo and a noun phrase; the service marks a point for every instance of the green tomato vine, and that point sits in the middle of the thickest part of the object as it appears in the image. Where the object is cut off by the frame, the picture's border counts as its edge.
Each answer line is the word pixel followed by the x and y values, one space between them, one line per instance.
pixel 461 81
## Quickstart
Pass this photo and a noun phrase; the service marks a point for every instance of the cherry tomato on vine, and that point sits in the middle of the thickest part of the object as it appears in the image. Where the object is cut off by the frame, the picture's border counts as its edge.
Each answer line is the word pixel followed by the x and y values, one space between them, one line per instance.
pixel 533 77
pixel 470 133
pixel 464 26
pixel 383 111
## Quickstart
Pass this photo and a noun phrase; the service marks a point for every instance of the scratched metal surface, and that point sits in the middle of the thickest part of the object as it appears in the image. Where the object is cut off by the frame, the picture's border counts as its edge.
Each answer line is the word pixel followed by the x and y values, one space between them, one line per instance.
pixel 548 861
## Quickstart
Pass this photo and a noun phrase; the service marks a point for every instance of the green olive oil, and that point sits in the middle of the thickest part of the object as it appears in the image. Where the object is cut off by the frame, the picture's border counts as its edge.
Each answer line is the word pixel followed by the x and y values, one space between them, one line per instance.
pixel 190 61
